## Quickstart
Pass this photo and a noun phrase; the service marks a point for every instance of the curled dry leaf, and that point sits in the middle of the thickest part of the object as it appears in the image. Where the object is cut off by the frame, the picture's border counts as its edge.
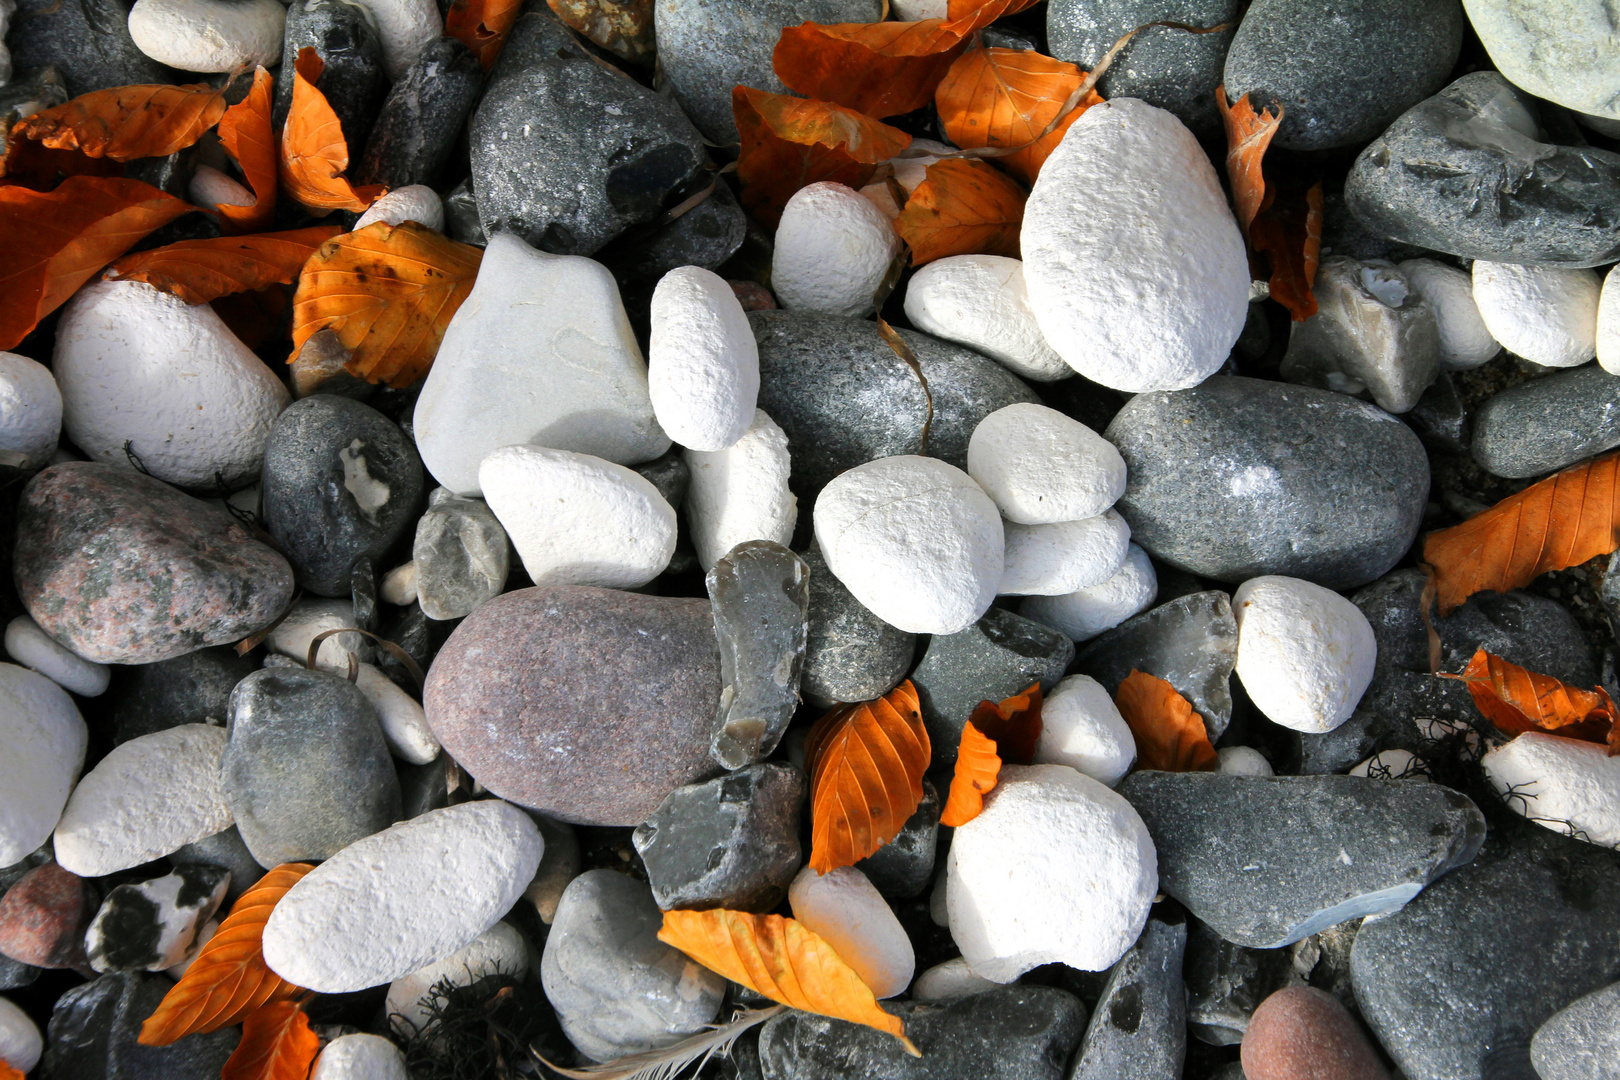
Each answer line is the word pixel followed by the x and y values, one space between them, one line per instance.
pixel 781 959
pixel 962 207
pixel 247 136
pixel 314 153
pixel 1169 735
pixel 1248 135
pixel 277 1044
pixel 1559 522
pixel 866 764
pixel 622 27
pixel 1516 700
pixel 482 25
pixel 229 979
pixel 1011 99
pixel 198 271
pixel 129 122
pixel 35 165
pixel 993 735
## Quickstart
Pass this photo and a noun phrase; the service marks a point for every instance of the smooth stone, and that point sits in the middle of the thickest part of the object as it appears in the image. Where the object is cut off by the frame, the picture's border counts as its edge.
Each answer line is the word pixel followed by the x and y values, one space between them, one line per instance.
pixel 398 586
pixel 1227 982
pixel 307 771
pixel 617 989
pixel 1139 1027
pixel 904 867
pixel 155 925
pixel 45 740
pixel 1449 292
pixel 225 850
pixel 1305 654
pixel 30 412
pixel 1087 612
pixel 401 717
pixel 760 595
pixel 43 916
pixel 1302 1031
pixel 1561 50
pixel 209 35
pixel 499 949
pixel 405 28
pixel 88 44
pixel 850 654
pixel 845 910
pixel 309 619
pixel 559 866
pixel 1060 558
pixel 425 112
pixel 352 80
pixel 1608 323
pixel 702 362
pixel 1042 467
pixel 34 649
pixel 1241 477
pixel 563 732
pixel 360 1057
pixel 982 301
pixel 1353 847
pixel 459 557
pixel 95 1026
pixel 1546 424
pixel 1581 1041
pixel 1082 728
pixel 833 251
pixel 951 981
pixel 1245 761
pixel 1561 784
pixel 416 202
pixel 20 1041
pixel 1546 314
pixel 1392 765
pixel 740 493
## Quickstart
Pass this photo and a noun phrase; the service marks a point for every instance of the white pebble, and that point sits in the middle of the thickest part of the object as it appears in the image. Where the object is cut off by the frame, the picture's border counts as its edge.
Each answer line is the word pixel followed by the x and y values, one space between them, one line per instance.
pixel 1546 314
pixel 1305 653
pixel 413 202
pixel 846 911
pixel 577 519
pixel 1608 324
pixel 34 648
pixel 833 251
pixel 404 29
pixel 499 949
pixel 1393 765
pixel 209 35
pixel 1085 613
pixel 915 540
pixel 1565 785
pixel 1081 727
pixel 311 617
pixel 1057 868
pixel 1041 466
pixel 702 360
pixel 1050 560
pixel 981 301
pixel 741 493
pixel 404 724
pixel 398 586
pixel 210 189
pixel 30 412
pixel 44 739
pixel 20 1042
pixel 1464 341
pixel 360 1057
pixel 917 10
pixel 950 981
pixel 1242 761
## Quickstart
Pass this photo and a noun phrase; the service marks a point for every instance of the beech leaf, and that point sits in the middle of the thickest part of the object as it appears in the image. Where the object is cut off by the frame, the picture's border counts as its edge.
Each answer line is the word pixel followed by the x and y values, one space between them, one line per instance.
pixel 277 1044
pixel 962 207
pixel 1168 734
pixel 35 165
pixel 482 25
pixel 1517 700
pixel 314 153
pixel 247 136
pixel 198 271
pixel 10 1072
pixel 995 734
pixel 1009 98
pixel 129 122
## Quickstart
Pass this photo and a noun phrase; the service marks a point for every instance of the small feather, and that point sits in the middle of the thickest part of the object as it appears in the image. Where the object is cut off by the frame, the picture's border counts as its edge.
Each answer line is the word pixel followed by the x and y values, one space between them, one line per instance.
pixel 667 1063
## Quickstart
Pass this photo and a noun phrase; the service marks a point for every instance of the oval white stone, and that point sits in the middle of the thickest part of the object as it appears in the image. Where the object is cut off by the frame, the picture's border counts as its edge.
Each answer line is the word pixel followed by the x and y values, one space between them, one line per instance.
pixel 209 35
pixel 846 911
pixel 1041 466
pixel 34 648
pixel 413 202
pixel 741 493
pixel 1305 653
pixel 404 723
pixel 210 189
pixel 20 1042
pixel 360 1057
pixel 1085 613
pixel 702 360
pixel 1464 341
pixel 404 29
pixel 1546 314
pixel 949 981
pixel 981 301
pixel 1050 560
pixel 398 586
pixel 499 949
pixel 833 251
pixel 1082 728
pixel 1564 785
pixel 1242 761
pixel 30 412
pixel 44 738
pixel 1608 324
pixel 311 617
pixel 1395 764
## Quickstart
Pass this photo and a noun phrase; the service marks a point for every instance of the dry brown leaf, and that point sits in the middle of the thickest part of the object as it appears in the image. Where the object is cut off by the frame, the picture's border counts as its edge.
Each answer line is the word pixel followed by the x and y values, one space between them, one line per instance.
pixel 314 153
pixel 482 25
pixel 247 136
pixel 198 271
pixel 129 122
pixel 782 959
pixel 1007 732
pixel 1169 735
pixel 622 27
pixel 1006 98
pixel 962 207
pixel 35 165
pixel 277 1044
pixel 1248 135
pixel 229 979
pixel 1517 700
pixel 866 764
pixel 254 317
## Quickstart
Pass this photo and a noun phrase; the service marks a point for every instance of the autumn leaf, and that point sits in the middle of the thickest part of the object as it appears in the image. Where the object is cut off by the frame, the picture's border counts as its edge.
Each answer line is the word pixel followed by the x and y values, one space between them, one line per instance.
pixel 962 207
pixel 57 240
pixel 35 165
pixel 229 978
pixel 129 122
pixel 277 1044
pixel 1169 735
pixel 1516 701
pixel 789 143
pixel 1008 732
pixel 482 25
pixel 247 136
pixel 782 959
pixel 866 764
pixel 314 153
pixel 388 291
pixel 1558 522
pixel 8 1072
pixel 1006 98
pixel 198 271
pixel 623 28
pixel 1248 134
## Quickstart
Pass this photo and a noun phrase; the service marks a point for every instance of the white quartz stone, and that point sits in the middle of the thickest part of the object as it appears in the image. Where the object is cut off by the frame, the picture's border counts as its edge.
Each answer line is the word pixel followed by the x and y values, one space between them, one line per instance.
pixel 1085 613
pixel 1565 785
pixel 1051 560
pixel 34 648
pixel 1608 324
pixel 404 724
pixel 702 360
pixel 44 739
pixel 414 202
pixel 846 911
pixel 20 1042
pixel 360 1057
pixel 209 35
pixel 1041 466
pixel 499 949
pixel 1394 764
pixel 917 10
pixel 404 29
pixel 950 981
pixel 30 412
pixel 398 586
pixel 833 251
pixel 1546 314
pixel 1305 653
pixel 741 493
pixel 1464 341
pixel 1082 728
pixel 1242 761
pixel 981 301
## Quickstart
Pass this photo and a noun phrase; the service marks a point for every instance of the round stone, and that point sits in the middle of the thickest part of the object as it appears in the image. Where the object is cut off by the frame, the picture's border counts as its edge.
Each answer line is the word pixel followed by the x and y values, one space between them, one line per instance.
pixel 20 1042
pixel 209 35
pixel 833 251
pixel 844 909
pixel 33 648
pixel 405 28
pixel 1300 1032
pixel 1608 324
pixel 1242 761
pixel 1041 466
pixel 499 949
pixel 1561 50
pixel 702 361
pixel 1305 653
pixel 45 740
pixel 1546 314
pixel 982 301
pixel 1085 613
pixel 360 1057
pixel 30 412
pixel 1052 560
pixel 1082 728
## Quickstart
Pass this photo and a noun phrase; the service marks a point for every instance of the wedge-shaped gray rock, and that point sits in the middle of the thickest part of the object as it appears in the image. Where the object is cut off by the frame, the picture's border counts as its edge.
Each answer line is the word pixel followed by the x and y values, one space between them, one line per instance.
pixel 1582 1040
pixel 1139 1028
pixel 760 594
pixel 462 556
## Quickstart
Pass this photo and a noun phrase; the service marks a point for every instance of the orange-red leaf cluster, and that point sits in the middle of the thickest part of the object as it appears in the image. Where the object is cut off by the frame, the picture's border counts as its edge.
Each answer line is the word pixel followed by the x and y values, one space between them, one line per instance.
pixel 129 122
pixel 35 165
pixel 1516 700
pixel 1169 734
pixel 482 25
pixel 247 136
pixel 277 1044
pixel 962 207
pixel 198 271
pixel 1011 99
pixel 996 734
pixel 314 153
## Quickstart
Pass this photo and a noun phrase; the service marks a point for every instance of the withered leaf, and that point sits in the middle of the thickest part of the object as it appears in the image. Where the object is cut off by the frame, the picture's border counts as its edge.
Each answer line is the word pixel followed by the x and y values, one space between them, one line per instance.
pixel 314 152
pixel 246 135
pixel 129 122
pixel 1007 98
pixel 1169 735
pixel 996 734
pixel 198 271
pixel 277 1044
pixel 962 207
pixel 1517 700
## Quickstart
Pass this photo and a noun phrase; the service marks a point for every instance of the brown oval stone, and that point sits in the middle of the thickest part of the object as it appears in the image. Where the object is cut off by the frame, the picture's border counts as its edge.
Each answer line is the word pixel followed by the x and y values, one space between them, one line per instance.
pixel 43 916
pixel 590 705
pixel 1301 1033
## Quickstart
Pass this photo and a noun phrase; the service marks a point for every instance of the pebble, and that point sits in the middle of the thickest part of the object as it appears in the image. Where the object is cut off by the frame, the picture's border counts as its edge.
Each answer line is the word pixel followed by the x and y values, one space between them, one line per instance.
pixel 1559 51
pixel 1082 728
pixel 20 1040
pixel 759 593
pixel 1581 1041
pixel 617 989
pixel 404 28
pixel 850 654
pixel 1243 761
pixel 1465 342
pixel 1546 314
pixel 1305 653
pixel 30 412
pixel 33 648
pixel 702 362
pixel 1051 560
pixel 1139 1027
pixel 459 558
pixel 951 981
pixel 731 842
pixel 88 45
pixel 1241 477
pixel 95 1026
pixel 1042 467
pixel 982 301
pixel 741 493
pixel 398 586
pixel 1608 324
pixel 308 619
pixel 833 252
pixel 1128 196
pixel 344 36
pixel 1546 424
pixel 499 949
pixel 425 112
pixel 564 733
pixel 360 1057
pixel 143 369
pixel 1561 784
pixel 1392 765
pixel 846 911
pixel 414 202
pixel 155 925
pixel 43 916
pixel 401 717
pixel 559 866
pixel 209 35
pixel 904 867
pixel 45 740
pixel 514 368
pixel 1301 1031
pixel 1085 613
pixel 1057 868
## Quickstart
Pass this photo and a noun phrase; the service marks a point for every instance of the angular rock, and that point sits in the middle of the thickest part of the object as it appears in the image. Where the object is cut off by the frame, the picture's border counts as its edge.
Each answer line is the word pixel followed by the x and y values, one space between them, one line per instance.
pixel 1561 51
pixel 1440 418
pixel 45 740
pixel 1139 1028
pixel 424 114
pixel 903 868
pixel 344 36
pixel 1549 423
pixel 850 654
pixel 156 924
pixel 89 44
pixel 1581 1041
pixel 94 1027
pixel 759 592
pixel 43 916
pixel 460 554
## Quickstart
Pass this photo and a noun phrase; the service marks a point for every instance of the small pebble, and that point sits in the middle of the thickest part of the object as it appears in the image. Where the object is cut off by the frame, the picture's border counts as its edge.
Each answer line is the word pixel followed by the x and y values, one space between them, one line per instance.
pixel 398 586
pixel 155 925
pixel 741 493
pixel 499 949
pixel 1465 342
pixel 1396 764
pixel 760 595
pixel 20 1040
pixel 414 202
pixel 1546 314
pixel 558 866
pixel 1243 761
pixel 1608 324
pixel 1042 467
pixel 846 911
pixel 405 28
pixel 1081 728
pixel 43 916
pixel 950 981
pixel 308 619
pixel 1085 613
pixel 833 251
pixel 850 654
pixel 702 362
pixel 33 648
pixel 1305 653
pixel 981 301
pixel 404 724
pixel 1581 1041
pixel 1060 558
pixel 360 1057
pixel 460 557
pixel 1302 1033
pixel 30 412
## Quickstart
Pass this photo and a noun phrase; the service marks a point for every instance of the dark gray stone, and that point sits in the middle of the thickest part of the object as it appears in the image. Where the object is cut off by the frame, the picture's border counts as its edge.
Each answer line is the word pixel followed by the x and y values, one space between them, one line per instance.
pixel 1227 982
pixel 461 216
pixel 344 35
pixel 850 653
pixel 226 851
pixel 1543 425
pixel 1342 74
pixel 1582 1040
pixel 670 474
pixel 731 842
pixel 706 235
pixel 418 637
pixel 759 592
pixel 904 867
pixel 462 556
pixel 87 41
pixel 14 974
pixel 1466 172
pixel 190 689
pixel 152 925
pixel 1139 1027
pixel 38 91
pixel 363 593
pixel 1269 860
pixel 424 114
pixel 307 771
pixel 1439 418
pixel 94 1027
pixel 1240 477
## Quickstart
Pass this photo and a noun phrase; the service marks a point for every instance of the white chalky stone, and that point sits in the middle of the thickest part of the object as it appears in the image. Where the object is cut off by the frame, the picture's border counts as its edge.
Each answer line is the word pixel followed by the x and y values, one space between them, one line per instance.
pixel 209 35
pixel 1546 314
pixel 577 519
pixel 1041 466
pixel 1608 324
pixel 44 740
pixel 404 723
pixel 147 798
pixel 404 29
pixel 403 898
pixel 141 367
pixel 1394 764
pixel 833 251
pixel 414 202
pixel 1565 785
pixel 1305 653
pixel 20 1041
pixel 915 540
pixel 312 616
pixel 540 352
pixel 360 1057
pixel 1464 341
pixel 1137 272
pixel 34 648
pixel 702 360
pixel 210 188
pixel 499 949
pixel 1242 761
pixel 398 586
pixel 845 910
pixel 30 412
pixel 1051 560
pixel 1082 728
pixel 1085 613
pixel 917 10
pixel 981 301
pixel 950 981
pixel 1057 868
pixel 881 195
pixel 741 493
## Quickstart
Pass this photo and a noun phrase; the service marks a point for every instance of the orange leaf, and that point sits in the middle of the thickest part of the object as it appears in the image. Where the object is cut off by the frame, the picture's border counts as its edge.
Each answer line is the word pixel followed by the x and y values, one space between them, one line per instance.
pixel 1008 98
pixel 229 979
pixel 880 69
pixel 314 153
pixel 57 240
pixel 389 292
pixel 247 136
pixel 788 143
pixel 1169 735
pixel 254 317
pixel 482 25
pixel 1248 134
pixel 962 207
pixel 782 959
pixel 993 734
pixel 866 764
pixel 1517 701
pixel 129 122
pixel 10 1072
pixel 276 1045
pixel 198 271
pixel 1559 522
pixel 35 165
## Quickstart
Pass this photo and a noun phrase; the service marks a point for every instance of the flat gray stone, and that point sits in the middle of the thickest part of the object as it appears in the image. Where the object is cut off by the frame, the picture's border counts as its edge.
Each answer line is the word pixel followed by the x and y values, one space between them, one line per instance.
pixel 1561 50
pixel 1139 1028
pixel 94 1026
pixel 424 114
pixel 904 867
pixel 760 594
pixel 1545 424
pixel 462 556
pixel 850 654
pixel 1581 1041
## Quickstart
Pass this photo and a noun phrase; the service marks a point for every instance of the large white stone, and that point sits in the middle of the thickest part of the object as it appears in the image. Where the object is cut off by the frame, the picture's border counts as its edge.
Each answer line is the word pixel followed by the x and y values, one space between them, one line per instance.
pixel 833 251
pixel 1137 272
pixel 404 723
pixel 846 911
pixel 209 35
pixel 360 1057
pixel 1608 324
pixel 142 368
pixel 741 493
pixel 1082 728
pixel 981 301
pixel 702 360
pixel 1051 560
pixel 34 648
pixel 404 29
pixel 44 739
pixel 414 202
pixel 915 540
pixel 1561 50
pixel 1085 613
pixel 1546 314
pixel 499 949
pixel 540 352
pixel 1562 784
pixel 577 519
pixel 30 412
pixel 1056 869
pixel 20 1042
pixel 1041 466
pixel 1305 653
pixel 147 798
pixel 403 898
pixel 1464 340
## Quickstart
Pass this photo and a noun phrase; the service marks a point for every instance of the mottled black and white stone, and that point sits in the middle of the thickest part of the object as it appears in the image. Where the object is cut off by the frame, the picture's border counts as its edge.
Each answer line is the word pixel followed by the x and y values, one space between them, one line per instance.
pixel 191 689
pixel 760 594
pixel 850 654
pixel 462 556
pixel 1545 424
pixel 226 851
pixel 1139 1027
pixel 155 924
pixel 344 35
pixel 94 1027
pixel 424 114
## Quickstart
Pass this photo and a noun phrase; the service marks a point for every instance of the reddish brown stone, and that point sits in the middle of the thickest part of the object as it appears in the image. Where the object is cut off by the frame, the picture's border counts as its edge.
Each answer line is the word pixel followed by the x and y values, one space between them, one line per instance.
pixel 752 295
pixel 1301 1033
pixel 43 917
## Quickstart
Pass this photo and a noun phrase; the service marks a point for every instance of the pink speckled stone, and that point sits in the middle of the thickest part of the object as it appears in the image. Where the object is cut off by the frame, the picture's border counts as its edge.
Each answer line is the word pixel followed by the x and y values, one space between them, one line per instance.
pixel 1301 1033
pixel 43 916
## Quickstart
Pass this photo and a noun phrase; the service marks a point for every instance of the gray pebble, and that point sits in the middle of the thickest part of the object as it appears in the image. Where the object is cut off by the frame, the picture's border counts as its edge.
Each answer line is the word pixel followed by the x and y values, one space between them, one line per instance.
pixel 759 592
pixel 94 1027
pixel 424 114
pixel 462 556
pixel 1545 424
pixel 1581 1041
pixel 191 689
pixel 904 867
pixel 850 654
